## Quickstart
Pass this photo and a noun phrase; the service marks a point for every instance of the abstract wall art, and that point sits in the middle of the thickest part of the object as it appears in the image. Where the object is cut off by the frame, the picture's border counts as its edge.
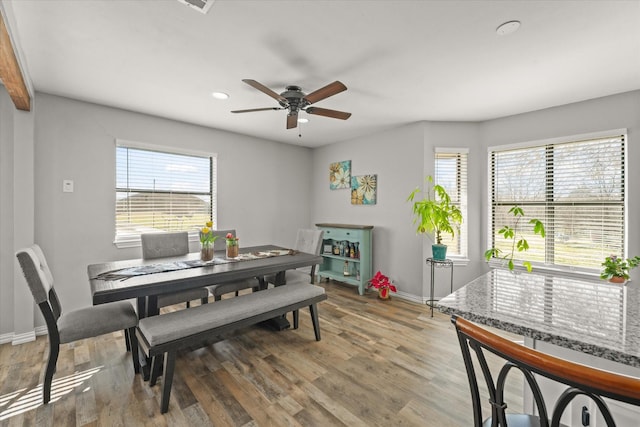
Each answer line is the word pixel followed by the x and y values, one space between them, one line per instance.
pixel 364 189
pixel 340 175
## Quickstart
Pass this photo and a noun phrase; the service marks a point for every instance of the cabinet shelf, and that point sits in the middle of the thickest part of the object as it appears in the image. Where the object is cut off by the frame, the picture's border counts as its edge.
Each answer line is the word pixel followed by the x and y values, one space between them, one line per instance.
pixel 333 265
pixel 343 258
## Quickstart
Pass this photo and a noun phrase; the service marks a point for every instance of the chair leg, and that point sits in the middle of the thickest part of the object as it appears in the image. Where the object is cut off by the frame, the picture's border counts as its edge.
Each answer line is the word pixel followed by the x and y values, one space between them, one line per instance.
pixel 217 297
pixel 132 343
pixel 167 379
pixel 127 340
pixel 54 350
pixel 188 304
pixel 237 293
pixel 204 300
pixel 296 316
pixel 314 318
pixel 156 362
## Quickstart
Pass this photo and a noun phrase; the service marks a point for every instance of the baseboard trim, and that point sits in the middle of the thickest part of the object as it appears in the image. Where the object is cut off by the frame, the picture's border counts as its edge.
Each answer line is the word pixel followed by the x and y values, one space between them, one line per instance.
pixel 6 338
pixel 23 338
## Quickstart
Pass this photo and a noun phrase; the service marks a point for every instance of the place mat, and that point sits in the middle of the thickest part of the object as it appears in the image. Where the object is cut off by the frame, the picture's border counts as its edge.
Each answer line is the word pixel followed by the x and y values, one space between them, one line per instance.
pixel 141 270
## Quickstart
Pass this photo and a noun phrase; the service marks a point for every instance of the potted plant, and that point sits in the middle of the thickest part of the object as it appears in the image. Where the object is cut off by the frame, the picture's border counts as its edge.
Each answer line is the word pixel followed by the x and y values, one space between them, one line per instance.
pixel 382 284
pixel 232 245
pixel 616 270
pixel 517 240
pixel 435 214
pixel 206 242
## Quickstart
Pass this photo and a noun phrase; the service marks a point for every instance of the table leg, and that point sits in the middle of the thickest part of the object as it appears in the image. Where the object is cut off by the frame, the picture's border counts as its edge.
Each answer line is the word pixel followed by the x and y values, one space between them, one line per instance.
pixel 278 323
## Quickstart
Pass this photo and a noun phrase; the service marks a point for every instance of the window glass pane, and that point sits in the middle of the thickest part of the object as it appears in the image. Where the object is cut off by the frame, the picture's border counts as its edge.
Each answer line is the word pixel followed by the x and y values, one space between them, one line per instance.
pixel 451 173
pixel 576 189
pixel 159 191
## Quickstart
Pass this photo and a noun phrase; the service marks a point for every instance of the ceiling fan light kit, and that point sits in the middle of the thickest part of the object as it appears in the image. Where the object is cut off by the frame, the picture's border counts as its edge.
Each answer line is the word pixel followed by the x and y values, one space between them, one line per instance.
pixel 294 100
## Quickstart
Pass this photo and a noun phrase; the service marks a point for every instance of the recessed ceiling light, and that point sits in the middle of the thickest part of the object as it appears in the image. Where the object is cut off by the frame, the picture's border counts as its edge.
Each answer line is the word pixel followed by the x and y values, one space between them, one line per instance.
pixel 507 28
pixel 220 95
pixel 303 120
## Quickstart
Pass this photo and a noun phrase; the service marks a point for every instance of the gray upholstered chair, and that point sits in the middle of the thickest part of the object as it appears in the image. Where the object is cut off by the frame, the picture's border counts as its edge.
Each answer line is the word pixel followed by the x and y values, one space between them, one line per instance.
pixel 162 245
pixel 218 290
pixel 308 241
pixel 78 324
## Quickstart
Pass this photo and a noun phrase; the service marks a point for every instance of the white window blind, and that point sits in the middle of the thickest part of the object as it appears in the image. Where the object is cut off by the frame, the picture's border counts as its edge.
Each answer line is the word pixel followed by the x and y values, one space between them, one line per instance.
pixel 161 191
pixel 451 173
pixel 577 189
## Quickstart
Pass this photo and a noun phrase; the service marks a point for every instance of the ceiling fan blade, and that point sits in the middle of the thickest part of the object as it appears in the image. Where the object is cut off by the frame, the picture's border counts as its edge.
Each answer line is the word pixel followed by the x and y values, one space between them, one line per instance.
pixel 292 120
pixel 257 109
pixel 325 92
pixel 264 89
pixel 334 114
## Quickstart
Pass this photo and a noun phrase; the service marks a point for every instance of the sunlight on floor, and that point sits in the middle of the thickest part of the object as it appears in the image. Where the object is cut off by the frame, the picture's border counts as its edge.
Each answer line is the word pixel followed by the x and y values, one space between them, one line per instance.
pixel 22 400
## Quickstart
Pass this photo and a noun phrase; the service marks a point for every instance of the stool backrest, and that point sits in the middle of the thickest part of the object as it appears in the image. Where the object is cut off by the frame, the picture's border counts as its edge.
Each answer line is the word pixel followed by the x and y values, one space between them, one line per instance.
pixel 579 379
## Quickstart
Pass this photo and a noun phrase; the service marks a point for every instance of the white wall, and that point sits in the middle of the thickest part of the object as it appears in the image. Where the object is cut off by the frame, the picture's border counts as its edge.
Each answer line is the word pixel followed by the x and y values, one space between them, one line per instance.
pixel 402 157
pixel 258 179
pixel 76 140
pixel 607 113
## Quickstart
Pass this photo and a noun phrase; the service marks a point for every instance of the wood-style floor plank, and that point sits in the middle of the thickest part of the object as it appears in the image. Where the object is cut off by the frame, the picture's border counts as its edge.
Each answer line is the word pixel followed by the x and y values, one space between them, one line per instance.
pixel 380 363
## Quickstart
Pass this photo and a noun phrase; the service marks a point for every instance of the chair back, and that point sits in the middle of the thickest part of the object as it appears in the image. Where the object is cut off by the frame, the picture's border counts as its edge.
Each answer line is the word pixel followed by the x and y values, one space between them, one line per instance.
pixel 219 244
pixel 309 241
pixel 579 379
pixel 161 245
pixel 40 281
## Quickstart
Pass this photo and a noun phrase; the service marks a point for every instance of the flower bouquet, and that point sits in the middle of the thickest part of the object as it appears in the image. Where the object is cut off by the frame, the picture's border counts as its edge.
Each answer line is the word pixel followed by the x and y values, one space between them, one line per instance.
pixel 382 284
pixel 232 245
pixel 207 240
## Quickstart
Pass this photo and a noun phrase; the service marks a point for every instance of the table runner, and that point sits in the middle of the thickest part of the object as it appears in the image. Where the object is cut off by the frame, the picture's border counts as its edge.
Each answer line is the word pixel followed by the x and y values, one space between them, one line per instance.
pixel 142 270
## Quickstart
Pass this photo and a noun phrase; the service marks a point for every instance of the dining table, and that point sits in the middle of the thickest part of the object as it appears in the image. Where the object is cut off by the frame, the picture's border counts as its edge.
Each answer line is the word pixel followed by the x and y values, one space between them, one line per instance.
pixel 144 280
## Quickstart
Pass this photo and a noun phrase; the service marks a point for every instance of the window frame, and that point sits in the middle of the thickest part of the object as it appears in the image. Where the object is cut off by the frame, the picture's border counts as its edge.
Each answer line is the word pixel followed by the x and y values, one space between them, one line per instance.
pixel 578 271
pixel 131 241
pixel 462 189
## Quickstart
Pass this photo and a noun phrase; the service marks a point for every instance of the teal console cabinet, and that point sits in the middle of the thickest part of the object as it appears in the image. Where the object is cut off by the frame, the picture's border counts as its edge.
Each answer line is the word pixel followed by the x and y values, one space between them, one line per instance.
pixel 338 261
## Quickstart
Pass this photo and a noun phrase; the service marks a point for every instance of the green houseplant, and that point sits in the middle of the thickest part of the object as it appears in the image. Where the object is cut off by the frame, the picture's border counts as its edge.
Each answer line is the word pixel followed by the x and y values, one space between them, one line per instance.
pixel 513 234
pixel 434 214
pixel 616 269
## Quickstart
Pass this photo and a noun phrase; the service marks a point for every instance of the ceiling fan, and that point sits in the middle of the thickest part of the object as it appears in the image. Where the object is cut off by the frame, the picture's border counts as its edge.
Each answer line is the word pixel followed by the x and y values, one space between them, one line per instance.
pixel 294 100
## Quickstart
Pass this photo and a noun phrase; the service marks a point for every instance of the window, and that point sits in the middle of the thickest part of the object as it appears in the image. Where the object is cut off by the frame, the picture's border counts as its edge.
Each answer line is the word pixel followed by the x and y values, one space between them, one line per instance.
pixel 576 188
pixel 161 191
pixel 451 173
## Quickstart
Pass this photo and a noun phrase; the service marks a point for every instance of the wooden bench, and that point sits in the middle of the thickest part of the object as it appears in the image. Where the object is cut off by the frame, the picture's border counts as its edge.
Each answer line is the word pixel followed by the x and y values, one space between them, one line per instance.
pixel 167 333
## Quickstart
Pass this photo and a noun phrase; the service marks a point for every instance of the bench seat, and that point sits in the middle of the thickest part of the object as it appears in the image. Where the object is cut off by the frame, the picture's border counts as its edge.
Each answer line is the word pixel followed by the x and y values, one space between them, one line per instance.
pixel 166 334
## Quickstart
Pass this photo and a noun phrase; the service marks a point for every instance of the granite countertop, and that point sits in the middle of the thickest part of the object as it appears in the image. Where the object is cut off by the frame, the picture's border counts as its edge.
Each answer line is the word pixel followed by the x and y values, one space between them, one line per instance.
pixel 594 317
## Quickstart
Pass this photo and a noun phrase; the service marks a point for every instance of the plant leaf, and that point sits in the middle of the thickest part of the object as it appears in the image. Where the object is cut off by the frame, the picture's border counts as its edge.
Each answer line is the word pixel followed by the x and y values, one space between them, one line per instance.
pixel 528 265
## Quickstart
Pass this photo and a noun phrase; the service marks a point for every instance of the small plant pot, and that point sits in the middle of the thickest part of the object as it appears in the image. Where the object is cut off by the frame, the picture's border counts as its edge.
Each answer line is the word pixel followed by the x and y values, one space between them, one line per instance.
pixel 383 293
pixel 617 279
pixel 439 252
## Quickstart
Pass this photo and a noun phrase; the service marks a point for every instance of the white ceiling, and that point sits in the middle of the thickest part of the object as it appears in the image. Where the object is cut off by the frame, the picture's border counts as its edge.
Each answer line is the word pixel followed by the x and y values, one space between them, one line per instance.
pixel 402 61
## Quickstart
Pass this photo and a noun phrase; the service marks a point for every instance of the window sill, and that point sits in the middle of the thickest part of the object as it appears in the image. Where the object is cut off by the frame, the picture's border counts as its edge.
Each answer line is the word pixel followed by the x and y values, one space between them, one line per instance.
pixel 550 270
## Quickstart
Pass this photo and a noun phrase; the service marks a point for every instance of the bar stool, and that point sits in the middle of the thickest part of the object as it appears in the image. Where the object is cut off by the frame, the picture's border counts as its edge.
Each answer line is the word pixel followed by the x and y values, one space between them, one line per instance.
pixel 579 379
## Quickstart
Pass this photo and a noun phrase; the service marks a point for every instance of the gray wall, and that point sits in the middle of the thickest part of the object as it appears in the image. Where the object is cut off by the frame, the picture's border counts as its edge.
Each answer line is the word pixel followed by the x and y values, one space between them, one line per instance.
pixel 76 140
pixel 402 157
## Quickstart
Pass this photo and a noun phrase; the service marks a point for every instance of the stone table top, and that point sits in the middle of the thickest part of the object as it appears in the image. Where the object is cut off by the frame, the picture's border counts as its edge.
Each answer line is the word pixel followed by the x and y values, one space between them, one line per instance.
pixel 593 317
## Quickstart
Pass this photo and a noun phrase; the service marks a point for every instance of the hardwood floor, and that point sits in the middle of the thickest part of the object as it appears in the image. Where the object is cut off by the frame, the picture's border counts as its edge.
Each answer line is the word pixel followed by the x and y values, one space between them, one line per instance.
pixel 380 363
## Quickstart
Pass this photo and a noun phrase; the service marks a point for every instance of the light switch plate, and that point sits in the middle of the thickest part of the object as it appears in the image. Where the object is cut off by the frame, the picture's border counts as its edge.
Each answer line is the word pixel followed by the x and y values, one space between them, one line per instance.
pixel 67 186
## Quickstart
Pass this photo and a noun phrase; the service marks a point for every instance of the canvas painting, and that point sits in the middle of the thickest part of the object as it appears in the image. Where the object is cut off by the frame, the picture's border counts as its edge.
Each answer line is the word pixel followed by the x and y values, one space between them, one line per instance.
pixel 364 189
pixel 340 175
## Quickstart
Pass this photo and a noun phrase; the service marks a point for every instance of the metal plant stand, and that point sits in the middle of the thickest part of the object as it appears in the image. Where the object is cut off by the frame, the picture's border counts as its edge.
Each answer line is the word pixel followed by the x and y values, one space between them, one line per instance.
pixel 437 263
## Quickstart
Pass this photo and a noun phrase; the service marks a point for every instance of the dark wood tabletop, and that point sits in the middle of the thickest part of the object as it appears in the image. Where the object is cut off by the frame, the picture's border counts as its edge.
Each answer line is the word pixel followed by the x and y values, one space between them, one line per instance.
pixel 103 291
